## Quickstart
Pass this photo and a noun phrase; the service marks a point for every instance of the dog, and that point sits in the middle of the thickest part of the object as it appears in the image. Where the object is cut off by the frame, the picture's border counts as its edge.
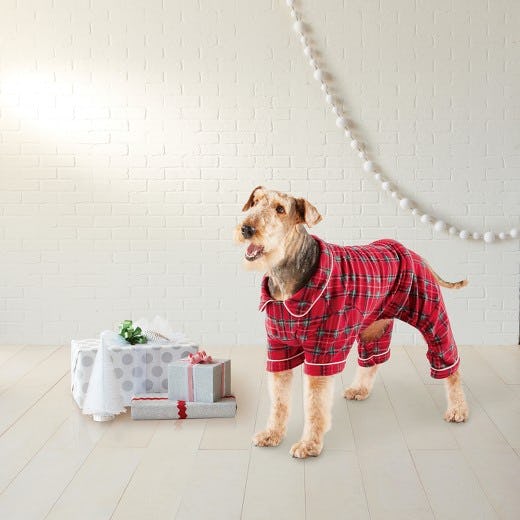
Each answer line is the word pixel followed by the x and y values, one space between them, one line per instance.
pixel 320 298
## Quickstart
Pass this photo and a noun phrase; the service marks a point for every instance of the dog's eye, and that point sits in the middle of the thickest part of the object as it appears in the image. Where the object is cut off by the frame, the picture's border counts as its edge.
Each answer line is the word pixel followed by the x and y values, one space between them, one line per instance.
pixel 280 210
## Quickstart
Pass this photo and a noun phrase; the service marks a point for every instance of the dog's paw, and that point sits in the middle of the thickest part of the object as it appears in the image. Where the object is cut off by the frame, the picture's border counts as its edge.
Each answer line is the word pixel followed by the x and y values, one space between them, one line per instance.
pixel 303 449
pixel 268 438
pixel 356 394
pixel 458 413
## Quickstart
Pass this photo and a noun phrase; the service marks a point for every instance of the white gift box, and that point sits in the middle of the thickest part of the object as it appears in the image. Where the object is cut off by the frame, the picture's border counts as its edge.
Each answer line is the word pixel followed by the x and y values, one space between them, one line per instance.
pixel 138 369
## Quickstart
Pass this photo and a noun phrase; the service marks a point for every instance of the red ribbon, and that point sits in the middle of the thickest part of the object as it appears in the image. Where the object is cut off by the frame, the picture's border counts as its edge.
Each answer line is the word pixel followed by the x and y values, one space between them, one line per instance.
pixel 199 357
pixel 181 407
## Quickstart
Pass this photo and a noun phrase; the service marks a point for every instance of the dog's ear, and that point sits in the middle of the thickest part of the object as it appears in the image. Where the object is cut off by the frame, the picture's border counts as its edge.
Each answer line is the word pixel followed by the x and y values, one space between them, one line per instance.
pixel 249 202
pixel 307 213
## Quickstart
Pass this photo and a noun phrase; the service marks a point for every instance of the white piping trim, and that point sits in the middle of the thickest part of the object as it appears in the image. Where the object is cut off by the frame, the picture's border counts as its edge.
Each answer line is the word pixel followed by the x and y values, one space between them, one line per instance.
pixel 445 368
pixel 286 359
pixel 375 355
pixel 331 266
pixel 320 364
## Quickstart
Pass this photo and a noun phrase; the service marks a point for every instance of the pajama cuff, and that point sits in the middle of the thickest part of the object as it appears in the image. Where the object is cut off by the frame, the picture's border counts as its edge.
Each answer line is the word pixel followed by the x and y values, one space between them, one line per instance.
pixel 325 369
pixel 279 365
pixel 374 359
pixel 442 373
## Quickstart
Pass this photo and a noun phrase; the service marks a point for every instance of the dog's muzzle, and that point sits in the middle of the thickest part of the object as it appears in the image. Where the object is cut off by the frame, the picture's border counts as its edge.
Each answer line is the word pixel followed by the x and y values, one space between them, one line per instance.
pixel 247 231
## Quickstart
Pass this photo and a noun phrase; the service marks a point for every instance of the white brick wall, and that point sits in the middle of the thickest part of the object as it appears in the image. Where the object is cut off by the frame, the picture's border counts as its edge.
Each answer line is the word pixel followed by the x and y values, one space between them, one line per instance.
pixel 131 133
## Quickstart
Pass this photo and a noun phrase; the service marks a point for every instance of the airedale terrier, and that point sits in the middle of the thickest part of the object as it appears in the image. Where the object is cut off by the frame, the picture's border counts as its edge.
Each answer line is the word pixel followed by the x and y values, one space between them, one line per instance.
pixel 319 298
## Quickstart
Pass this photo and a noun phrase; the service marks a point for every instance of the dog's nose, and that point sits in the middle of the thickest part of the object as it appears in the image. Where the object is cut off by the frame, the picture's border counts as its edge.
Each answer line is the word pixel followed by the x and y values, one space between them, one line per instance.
pixel 248 231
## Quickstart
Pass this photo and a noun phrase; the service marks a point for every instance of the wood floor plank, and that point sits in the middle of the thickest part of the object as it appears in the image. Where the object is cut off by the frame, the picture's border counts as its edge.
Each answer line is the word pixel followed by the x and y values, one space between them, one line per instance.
pixel 453 490
pixel 49 472
pixel 505 361
pixel 247 369
pixel 221 476
pixel 334 486
pixel 31 431
pixel 420 420
pixel 164 472
pixel 97 487
pixel 275 486
pixel 392 485
pixel 498 399
pixel 21 363
pixel 8 351
pixel 22 395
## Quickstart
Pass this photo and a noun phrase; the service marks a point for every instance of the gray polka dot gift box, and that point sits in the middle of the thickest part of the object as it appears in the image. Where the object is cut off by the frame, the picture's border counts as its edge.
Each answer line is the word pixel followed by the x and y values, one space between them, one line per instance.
pixel 129 369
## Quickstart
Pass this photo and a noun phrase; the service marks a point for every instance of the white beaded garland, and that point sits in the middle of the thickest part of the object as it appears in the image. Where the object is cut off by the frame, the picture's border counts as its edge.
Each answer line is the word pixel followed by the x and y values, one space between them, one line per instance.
pixel 440 225
pixel 489 237
pixel 318 74
pixel 368 166
pixel 298 26
pixel 405 203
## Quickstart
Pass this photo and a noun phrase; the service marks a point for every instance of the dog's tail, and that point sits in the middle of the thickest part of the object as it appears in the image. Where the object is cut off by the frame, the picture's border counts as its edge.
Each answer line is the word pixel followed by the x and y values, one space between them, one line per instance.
pixel 449 285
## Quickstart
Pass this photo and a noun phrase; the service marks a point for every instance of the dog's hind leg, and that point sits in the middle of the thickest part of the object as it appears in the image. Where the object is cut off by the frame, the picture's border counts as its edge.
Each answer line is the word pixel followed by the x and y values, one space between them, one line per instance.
pixel 362 384
pixel 318 392
pixel 373 348
pixel 280 392
pixel 457 406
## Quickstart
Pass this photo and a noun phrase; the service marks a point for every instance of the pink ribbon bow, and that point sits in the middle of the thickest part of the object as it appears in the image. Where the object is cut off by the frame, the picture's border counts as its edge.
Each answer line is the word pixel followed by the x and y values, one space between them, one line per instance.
pixel 200 357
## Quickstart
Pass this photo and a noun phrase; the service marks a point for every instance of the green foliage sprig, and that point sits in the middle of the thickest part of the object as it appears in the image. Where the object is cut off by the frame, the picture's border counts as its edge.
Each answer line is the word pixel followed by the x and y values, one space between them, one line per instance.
pixel 132 335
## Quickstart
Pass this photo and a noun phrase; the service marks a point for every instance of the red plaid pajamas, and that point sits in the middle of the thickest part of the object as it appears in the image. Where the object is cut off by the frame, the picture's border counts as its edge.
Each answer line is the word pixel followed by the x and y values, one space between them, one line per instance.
pixel 352 288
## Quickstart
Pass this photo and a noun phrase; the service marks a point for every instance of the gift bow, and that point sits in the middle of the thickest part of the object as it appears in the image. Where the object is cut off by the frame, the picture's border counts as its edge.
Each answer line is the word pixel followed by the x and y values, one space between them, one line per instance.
pixel 199 357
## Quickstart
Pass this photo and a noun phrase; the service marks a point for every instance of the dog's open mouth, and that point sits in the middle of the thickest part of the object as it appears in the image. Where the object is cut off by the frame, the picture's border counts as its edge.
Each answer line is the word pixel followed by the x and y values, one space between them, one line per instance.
pixel 254 252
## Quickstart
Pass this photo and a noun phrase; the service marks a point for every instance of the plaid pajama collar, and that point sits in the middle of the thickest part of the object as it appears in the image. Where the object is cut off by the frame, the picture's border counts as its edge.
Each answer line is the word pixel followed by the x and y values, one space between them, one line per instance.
pixel 301 302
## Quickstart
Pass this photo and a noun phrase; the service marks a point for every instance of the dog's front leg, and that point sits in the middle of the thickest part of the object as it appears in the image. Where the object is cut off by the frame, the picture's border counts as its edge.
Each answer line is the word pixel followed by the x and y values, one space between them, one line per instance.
pixel 318 392
pixel 280 392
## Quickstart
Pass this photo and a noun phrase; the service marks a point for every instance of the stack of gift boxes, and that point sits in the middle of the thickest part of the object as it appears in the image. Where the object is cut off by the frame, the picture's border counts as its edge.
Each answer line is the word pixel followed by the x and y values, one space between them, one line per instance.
pixel 158 377
pixel 199 387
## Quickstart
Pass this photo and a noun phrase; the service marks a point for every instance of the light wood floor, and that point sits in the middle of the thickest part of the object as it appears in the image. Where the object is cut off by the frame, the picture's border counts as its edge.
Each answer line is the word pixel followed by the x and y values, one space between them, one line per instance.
pixel 390 457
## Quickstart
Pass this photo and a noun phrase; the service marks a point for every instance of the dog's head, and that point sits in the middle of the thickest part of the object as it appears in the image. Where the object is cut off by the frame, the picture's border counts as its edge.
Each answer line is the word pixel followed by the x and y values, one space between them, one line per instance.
pixel 271 220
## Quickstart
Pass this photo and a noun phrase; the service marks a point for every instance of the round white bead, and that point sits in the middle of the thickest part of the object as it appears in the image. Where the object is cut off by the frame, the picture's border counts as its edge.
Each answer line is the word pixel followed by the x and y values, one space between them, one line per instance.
pixel 502 235
pixel 378 177
pixel 348 134
pixel 294 14
pixel 318 74
pixel 489 237
pixel 335 110
pixel 341 122
pixel 313 64
pixel 307 51
pixel 425 219
pixel 514 233
pixel 354 144
pixel 439 225
pixel 453 230
pixel 329 99
pixel 298 26
pixel 386 186
pixel 303 40
pixel 416 212
pixel 394 194
pixel 405 203
pixel 361 154
pixel 476 235
pixel 464 234
pixel 368 166
pixel 323 87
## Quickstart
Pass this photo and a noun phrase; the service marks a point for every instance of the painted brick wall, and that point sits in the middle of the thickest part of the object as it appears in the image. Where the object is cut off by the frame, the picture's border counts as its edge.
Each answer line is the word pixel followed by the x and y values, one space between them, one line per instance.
pixel 131 133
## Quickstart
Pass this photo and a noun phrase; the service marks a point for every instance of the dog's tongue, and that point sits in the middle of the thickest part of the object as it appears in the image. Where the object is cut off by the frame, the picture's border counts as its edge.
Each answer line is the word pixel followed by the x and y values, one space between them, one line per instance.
pixel 253 250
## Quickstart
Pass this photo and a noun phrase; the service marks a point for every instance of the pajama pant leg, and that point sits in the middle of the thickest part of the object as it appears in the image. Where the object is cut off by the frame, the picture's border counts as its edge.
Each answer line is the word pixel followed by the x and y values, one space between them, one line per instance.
pixel 374 352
